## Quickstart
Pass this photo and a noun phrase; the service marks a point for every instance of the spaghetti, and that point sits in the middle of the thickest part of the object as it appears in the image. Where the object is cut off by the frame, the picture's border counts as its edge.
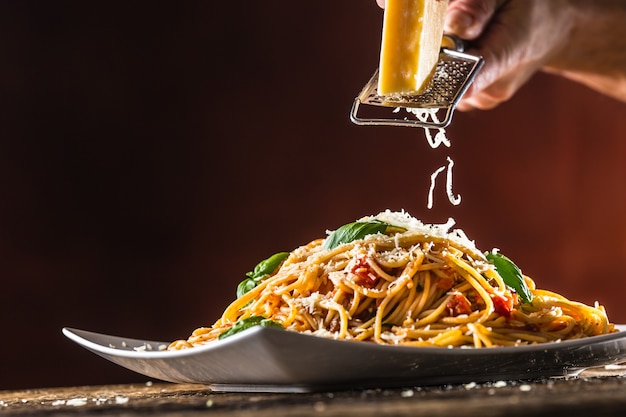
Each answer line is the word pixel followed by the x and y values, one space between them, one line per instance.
pixel 391 279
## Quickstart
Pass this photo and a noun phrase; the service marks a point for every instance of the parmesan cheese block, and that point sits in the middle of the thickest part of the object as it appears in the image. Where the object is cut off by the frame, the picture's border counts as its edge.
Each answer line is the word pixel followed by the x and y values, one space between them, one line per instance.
pixel 412 33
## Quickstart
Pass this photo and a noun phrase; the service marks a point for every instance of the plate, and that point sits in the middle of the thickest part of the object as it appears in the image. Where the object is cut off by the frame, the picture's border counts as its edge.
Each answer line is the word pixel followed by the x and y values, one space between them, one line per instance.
pixel 263 359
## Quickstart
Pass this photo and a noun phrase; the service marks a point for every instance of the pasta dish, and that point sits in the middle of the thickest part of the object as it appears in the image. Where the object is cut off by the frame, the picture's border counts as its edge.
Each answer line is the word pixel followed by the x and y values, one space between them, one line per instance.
pixel 391 279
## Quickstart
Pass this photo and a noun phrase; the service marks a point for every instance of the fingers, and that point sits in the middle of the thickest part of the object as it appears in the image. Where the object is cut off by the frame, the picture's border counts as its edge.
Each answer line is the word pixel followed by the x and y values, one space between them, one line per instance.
pixel 487 98
pixel 501 45
pixel 493 84
pixel 500 78
pixel 468 18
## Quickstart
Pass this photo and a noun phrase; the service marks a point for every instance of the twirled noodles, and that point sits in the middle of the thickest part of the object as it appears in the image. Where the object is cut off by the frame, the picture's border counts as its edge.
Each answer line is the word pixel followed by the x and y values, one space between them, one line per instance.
pixel 420 285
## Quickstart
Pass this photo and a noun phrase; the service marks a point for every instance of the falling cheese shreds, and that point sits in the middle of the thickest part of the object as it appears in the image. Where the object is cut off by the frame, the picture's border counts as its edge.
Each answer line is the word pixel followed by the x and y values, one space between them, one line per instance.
pixel 454 199
pixel 431 190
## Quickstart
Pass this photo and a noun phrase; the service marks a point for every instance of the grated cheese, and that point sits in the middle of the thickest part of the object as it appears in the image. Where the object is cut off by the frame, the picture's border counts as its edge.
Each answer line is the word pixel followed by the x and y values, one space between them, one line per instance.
pixel 431 190
pixel 443 231
pixel 440 138
pixel 430 115
pixel 455 200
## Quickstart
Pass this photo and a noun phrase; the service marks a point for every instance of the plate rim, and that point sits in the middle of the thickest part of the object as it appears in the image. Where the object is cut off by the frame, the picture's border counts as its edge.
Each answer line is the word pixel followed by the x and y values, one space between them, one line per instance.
pixel 415 365
pixel 74 334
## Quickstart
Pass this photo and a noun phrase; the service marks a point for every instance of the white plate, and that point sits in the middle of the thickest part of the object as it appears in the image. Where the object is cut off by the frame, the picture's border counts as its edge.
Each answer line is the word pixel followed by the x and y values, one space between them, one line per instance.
pixel 264 359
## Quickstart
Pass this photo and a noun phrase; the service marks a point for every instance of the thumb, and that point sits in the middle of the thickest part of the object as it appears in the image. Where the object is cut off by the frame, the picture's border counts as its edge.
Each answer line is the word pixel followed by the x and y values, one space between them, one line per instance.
pixel 468 18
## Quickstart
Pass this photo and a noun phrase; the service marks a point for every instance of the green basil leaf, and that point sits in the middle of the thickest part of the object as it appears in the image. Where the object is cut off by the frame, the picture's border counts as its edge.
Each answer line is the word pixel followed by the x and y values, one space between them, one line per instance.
pixel 267 266
pixel 511 275
pixel 245 324
pixel 245 286
pixel 357 230
pixel 260 272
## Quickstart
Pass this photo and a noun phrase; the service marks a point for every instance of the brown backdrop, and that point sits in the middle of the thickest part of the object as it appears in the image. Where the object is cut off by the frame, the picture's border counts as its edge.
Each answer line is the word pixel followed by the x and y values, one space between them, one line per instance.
pixel 152 152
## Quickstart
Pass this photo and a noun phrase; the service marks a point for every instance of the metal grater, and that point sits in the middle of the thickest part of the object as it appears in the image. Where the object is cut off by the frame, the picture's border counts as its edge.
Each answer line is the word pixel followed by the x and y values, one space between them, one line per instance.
pixel 453 75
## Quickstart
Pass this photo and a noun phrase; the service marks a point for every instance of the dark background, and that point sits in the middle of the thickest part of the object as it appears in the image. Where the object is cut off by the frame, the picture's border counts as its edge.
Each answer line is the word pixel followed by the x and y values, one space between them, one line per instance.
pixel 151 153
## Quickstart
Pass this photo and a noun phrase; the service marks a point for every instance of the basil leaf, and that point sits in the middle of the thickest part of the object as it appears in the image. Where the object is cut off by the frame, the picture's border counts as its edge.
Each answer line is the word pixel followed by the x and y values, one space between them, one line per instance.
pixel 245 286
pixel 357 230
pixel 267 266
pixel 511 275
pixel 260 272
pixel 245 324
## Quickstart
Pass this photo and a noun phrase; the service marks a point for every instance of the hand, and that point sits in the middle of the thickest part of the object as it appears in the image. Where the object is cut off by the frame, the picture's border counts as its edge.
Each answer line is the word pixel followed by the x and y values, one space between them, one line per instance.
pixel 583 40
pixel 516 39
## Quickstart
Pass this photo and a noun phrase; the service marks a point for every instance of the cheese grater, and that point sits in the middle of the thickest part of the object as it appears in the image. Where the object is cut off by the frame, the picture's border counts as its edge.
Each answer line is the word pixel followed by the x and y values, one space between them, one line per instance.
pixel 434 106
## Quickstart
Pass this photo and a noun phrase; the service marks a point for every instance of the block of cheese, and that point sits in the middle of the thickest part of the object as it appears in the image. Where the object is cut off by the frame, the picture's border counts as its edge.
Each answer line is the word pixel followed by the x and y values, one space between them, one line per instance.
pixel 412 33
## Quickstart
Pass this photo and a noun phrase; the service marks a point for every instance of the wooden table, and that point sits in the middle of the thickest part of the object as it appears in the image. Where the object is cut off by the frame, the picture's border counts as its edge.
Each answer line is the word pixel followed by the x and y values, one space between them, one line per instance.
pixel 601 392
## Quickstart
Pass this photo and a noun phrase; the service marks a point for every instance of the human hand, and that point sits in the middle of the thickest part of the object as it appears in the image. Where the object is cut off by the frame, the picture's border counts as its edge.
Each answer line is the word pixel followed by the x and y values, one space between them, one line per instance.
pixel 516 38
pixel 583 40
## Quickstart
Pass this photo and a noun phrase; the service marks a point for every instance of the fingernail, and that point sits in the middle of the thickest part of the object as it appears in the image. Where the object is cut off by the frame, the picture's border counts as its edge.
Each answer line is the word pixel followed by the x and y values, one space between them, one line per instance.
pixel 459 22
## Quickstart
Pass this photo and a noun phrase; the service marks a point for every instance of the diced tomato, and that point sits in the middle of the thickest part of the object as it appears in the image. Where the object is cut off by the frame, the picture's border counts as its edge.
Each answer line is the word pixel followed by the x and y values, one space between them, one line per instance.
pixel 445 283
pixel 502 304
pixel 364 273
pixel 459 304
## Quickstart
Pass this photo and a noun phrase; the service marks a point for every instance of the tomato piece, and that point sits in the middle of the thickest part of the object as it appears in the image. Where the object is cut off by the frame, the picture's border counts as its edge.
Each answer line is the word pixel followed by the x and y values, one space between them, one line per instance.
pixel 445 283
pixel 503 305
pixel 365 276
pixel 459 304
